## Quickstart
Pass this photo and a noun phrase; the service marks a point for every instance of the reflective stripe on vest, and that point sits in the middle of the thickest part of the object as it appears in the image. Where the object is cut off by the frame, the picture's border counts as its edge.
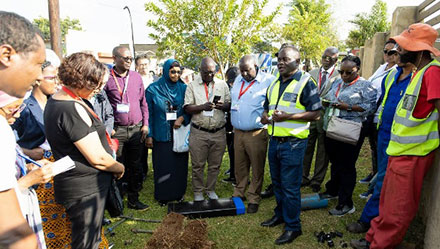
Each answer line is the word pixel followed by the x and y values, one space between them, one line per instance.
pixel 409 135
pixel 389 81
pixel 298 129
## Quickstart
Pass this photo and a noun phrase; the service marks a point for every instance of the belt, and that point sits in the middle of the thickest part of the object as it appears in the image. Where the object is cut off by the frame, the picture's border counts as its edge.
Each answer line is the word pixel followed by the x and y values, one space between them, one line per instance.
pixel 207 130
pixel 282 139
pixel 250 130
pixel 128 126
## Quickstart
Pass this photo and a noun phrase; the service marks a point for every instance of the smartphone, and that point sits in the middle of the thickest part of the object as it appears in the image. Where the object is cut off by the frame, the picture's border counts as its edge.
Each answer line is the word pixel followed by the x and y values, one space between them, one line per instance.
pixel 216 99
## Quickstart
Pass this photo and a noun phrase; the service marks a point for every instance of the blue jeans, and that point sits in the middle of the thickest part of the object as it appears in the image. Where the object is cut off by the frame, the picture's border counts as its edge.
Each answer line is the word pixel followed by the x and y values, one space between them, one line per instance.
pixel 285 161
pixel 371 209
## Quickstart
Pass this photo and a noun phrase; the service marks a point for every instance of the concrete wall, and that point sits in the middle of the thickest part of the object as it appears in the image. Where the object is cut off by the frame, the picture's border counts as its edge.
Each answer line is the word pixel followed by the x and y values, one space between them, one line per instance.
pixel 372 56
pixel 429 208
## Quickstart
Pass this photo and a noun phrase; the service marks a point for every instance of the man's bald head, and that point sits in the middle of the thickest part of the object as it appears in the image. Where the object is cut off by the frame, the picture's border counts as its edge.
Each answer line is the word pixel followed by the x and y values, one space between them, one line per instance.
pixel 329 57
pixel 248 67
pixel 118 50
pixel 208 69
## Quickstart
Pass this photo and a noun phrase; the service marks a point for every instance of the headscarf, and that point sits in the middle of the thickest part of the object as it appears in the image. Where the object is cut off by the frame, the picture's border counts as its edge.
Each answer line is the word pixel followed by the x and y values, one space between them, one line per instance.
pixel 169 88
pixel 6 99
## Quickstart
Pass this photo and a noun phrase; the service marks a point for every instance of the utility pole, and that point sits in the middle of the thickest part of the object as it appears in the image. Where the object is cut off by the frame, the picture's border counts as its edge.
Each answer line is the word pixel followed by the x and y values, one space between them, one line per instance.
pixel 132 32
pixel 55 28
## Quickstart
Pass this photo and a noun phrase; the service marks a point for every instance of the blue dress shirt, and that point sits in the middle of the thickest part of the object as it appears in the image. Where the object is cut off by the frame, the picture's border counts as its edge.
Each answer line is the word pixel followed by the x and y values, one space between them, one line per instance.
pixel 246 111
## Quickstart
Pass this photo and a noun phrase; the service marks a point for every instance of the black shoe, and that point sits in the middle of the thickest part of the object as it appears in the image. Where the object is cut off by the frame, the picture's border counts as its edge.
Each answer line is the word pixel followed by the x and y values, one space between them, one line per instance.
pixel 360 244
pixel 358 227
pixel 287 237
pixel 268 192
pixel 315 188
pixel 367 179
pixel 228 172
pixel 252 208
pixel 137 205
pixel 342 210
pixel 274 221
pixel 327 196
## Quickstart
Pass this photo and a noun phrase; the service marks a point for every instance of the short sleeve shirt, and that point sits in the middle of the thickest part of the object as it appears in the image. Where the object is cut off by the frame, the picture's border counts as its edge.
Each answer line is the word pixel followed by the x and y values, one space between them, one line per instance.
pixel 195 94
pixel 429 92
pixel 7 155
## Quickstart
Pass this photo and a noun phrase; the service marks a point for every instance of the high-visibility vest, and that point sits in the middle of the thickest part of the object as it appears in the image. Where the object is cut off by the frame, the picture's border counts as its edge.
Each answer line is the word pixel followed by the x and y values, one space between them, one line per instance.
pixel 409 135
pixel 289 103
pixel 389 81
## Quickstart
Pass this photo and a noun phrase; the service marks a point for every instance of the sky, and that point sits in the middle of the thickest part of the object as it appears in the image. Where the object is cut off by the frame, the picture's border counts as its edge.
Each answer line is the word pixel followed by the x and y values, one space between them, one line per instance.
pixel 107 18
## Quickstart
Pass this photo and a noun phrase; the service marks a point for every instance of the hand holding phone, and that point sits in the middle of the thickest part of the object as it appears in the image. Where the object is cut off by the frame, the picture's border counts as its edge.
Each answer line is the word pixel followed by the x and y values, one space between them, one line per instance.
pixel 216 99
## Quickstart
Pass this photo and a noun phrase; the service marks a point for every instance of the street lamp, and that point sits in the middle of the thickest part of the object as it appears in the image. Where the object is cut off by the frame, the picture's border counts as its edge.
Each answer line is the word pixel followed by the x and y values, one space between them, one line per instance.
pixel 132 32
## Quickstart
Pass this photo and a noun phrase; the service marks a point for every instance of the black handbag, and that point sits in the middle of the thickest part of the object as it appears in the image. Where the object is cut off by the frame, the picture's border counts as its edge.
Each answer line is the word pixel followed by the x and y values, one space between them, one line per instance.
pixel 114 203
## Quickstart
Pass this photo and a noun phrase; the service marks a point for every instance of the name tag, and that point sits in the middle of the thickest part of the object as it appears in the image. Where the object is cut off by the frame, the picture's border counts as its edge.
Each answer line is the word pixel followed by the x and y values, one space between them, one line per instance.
pixel 208 113
pixel 171 116
pixel 123 108
pixel 291 97
pixel 409 101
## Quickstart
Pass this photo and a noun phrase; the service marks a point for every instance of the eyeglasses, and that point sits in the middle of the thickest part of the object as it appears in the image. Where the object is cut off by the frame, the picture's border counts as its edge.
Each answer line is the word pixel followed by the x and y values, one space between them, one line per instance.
pixel 389 52
pixel 327 58
pixel 175 72
pixel 126 59
pixel 342 72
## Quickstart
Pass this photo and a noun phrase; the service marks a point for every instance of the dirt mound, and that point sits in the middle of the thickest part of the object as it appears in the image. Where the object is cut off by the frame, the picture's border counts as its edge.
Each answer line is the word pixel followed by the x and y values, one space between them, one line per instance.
pixel 172 234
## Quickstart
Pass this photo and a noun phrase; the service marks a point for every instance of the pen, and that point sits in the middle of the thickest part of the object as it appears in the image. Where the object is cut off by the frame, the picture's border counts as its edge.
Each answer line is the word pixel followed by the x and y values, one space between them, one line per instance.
pixel 30 160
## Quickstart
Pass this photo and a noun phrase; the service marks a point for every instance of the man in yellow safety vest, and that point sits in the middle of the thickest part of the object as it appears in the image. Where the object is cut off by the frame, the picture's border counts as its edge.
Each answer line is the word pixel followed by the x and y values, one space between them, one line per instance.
pixel 292 101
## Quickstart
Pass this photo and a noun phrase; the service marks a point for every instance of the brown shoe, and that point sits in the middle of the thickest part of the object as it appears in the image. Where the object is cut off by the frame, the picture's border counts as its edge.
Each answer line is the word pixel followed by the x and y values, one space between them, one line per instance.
pixel 358 227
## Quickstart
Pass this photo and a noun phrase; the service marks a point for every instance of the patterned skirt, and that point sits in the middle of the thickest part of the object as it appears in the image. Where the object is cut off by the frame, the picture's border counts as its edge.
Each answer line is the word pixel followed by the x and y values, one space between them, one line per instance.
pixel 56 225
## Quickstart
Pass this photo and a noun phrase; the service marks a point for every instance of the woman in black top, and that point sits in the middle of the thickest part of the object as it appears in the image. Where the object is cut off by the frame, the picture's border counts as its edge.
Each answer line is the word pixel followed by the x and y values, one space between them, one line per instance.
pixel 74 130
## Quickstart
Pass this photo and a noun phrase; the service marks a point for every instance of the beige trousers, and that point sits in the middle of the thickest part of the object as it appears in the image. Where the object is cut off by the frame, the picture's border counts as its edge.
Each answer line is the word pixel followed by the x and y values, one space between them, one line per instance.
pixel 206 147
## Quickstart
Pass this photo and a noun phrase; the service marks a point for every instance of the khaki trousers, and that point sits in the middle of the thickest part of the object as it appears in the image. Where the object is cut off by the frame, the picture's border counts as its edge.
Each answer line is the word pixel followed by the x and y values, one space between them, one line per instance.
pixel 206 147
pixel 250 149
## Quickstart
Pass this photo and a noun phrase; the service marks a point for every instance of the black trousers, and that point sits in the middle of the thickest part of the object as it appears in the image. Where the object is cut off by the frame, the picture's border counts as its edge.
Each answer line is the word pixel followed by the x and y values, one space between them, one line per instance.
pixel 343 159
pixel 130 154
pixel 86 215
pixel 230 145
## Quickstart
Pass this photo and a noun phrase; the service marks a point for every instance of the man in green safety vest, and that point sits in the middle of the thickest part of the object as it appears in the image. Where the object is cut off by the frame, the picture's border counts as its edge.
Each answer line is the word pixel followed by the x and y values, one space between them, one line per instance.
pixel 414 138
pixel 292 101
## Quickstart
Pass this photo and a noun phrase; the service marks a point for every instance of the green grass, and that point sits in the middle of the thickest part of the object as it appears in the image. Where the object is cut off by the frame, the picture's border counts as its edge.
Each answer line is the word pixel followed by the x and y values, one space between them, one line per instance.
pixel 244 231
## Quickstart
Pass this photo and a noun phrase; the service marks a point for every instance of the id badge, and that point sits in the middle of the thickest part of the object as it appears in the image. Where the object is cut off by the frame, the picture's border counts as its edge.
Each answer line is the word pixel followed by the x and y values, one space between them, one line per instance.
pixel 235 107
pixel 123 108
pixel 409 101
pixel 208 113
pixel 171 116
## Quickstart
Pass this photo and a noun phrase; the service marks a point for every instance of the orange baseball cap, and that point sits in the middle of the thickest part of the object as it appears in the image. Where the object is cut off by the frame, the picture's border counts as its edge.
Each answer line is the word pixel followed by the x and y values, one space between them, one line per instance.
pixel 418 37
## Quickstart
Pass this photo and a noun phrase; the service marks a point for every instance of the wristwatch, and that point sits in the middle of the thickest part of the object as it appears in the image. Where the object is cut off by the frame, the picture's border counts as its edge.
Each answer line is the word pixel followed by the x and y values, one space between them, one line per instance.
pixel 349 108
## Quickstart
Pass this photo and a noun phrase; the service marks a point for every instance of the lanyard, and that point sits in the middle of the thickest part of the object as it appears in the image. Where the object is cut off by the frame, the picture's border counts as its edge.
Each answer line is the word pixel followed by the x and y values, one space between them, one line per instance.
pixel 351 83
pixel 245 90
pixel 77 98
pixel 319 80
pixel 208 96
pixel 117 83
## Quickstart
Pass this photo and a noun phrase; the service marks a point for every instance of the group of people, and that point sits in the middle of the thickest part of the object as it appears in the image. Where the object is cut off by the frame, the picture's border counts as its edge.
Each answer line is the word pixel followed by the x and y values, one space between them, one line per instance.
pixel 105 120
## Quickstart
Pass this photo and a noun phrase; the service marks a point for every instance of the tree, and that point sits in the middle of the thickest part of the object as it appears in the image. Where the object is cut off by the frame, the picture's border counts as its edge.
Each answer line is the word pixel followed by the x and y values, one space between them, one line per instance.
pixel 222 29
pixel 66 24
pixel 310 28
pixel 368 24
